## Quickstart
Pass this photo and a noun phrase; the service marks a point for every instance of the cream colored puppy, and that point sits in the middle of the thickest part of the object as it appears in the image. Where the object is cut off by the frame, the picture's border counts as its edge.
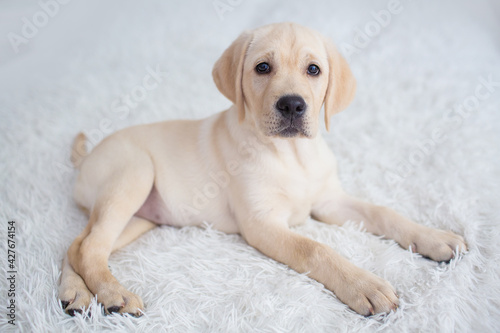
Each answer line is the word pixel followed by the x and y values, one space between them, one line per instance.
pixel 255 169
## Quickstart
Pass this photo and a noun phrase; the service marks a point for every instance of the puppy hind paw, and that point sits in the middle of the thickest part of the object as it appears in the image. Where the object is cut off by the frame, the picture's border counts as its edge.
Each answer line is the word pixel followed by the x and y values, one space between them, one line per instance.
pixel 121 301
pixel 75 301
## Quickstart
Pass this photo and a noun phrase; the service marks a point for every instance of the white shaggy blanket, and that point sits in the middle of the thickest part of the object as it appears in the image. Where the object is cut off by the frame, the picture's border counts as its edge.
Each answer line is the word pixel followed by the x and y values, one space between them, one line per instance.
pixel 421 136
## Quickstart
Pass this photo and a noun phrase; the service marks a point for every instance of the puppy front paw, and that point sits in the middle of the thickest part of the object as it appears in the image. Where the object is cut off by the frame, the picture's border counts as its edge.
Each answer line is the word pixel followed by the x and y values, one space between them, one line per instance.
pixel 438 245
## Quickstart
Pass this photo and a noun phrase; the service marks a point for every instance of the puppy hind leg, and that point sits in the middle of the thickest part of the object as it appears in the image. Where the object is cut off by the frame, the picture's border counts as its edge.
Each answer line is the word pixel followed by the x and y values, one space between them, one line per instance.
pixel 120 199
pixel 73 292
pixel 135 228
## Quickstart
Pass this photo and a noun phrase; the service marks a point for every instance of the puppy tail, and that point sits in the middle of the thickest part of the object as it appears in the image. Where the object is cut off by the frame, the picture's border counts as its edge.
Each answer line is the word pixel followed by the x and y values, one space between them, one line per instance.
pixel 79 150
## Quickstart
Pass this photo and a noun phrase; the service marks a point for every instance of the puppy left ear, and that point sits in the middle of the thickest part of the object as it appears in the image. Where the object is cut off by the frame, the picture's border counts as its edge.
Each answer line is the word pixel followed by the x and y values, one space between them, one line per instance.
pixel 228 72
pixel 341 83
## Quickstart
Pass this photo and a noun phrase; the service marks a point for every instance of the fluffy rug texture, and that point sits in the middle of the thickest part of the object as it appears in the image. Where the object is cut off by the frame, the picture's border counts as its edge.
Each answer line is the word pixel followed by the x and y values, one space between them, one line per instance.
pixel 421 137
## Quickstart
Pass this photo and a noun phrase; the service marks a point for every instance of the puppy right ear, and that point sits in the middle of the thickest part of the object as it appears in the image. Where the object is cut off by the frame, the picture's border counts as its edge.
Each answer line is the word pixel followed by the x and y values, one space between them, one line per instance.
pixel 228 72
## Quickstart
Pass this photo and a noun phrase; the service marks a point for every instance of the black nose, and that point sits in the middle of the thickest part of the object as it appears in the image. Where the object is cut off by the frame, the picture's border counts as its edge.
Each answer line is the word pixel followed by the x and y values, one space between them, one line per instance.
pixel 291 106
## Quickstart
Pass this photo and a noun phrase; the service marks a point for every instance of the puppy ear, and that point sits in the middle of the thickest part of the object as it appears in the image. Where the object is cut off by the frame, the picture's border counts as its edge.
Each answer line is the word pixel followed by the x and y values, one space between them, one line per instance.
pixel 341 83
pixel 228 72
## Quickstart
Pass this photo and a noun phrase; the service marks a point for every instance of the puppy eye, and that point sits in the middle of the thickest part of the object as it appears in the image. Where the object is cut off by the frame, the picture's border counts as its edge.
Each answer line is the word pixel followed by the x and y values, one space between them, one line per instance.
pixel 263 68
pixel 313 70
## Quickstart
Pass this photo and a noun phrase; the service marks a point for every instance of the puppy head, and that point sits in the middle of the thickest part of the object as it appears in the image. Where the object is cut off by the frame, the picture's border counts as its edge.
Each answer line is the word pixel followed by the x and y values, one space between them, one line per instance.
pixel 280 75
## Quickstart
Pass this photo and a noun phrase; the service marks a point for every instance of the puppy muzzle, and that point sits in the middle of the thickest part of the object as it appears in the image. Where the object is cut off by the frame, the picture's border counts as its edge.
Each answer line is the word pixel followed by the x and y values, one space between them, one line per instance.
pixel 291 109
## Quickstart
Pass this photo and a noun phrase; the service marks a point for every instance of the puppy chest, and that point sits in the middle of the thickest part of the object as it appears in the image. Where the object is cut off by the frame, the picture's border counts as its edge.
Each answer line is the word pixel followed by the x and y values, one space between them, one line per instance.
pixel 298 188
pixel 299 201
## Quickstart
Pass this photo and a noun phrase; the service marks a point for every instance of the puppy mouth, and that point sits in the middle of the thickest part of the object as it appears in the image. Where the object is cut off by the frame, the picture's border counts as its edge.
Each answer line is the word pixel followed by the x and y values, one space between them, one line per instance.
pixel 291 128
pixel 289 132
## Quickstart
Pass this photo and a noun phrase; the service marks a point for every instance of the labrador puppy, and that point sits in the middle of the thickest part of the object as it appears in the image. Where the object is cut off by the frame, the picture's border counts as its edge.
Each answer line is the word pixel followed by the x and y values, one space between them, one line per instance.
pixel 255 169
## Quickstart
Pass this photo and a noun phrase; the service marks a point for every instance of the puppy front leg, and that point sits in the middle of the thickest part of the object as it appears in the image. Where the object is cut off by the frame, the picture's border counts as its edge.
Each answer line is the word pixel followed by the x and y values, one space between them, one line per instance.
pixel 361 290
pixel 435 244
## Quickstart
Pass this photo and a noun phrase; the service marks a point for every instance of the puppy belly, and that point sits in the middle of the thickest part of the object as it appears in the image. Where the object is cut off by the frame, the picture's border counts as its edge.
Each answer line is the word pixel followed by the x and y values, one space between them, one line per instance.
pixel 157 211
pixel 154 209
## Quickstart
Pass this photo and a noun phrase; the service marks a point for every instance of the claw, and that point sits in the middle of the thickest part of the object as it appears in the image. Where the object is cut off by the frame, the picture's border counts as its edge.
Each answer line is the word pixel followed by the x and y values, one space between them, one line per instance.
pixel 113 309
pixel 65 304
pixel 372 311
pixel 73 312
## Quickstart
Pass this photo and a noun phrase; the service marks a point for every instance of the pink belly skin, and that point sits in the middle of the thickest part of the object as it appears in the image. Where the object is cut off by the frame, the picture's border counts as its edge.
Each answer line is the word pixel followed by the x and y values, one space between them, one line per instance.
pixel 154 209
